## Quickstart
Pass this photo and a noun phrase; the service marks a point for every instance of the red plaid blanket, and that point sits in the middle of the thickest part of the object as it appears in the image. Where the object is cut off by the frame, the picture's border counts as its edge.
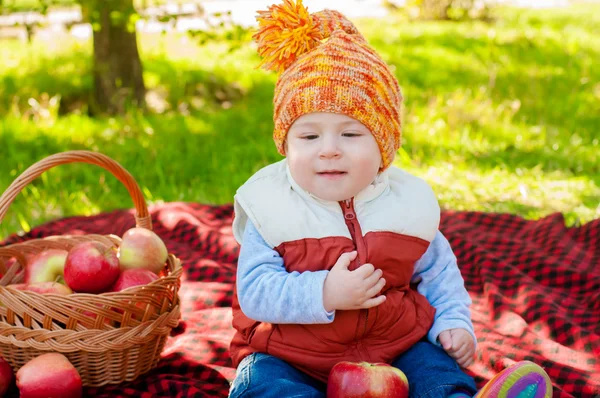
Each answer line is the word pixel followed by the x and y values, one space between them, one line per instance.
pixel 535 287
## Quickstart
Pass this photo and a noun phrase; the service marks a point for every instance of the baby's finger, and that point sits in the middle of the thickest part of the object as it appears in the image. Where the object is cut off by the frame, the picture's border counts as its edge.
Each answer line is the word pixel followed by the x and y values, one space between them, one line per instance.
pixel 465 361
pixel 470 360
pixel 446 340
pixel 374 302
pixel 345 259
pixel 365 270
pixel 466 355
pixel 373 279
pixel 376 289
pixel 461 350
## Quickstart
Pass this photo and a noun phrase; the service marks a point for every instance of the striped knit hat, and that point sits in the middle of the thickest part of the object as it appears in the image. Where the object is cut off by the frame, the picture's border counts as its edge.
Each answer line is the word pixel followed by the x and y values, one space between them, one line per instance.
pixel 326 65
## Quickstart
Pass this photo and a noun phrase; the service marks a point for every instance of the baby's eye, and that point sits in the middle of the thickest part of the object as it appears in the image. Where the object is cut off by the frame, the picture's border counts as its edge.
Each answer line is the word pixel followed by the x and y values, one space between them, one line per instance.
pixel 351 134
pixel 310 137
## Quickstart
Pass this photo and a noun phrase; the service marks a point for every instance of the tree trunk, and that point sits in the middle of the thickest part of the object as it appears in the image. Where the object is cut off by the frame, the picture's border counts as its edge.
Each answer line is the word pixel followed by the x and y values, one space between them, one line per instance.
pixel 118 78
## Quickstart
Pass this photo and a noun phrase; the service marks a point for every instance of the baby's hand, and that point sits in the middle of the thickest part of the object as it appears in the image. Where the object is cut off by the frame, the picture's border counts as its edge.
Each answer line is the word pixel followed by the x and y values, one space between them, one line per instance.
pixel 459 344
pixel 351 290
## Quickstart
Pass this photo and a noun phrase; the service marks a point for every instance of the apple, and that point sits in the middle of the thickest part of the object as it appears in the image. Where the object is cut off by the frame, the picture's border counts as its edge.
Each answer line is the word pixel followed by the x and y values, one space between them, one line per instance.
pixel 142 248
pixel 91 267
pixel 92 315
pixel 44 287
pixel 46 266
pixel 7 376
pixel 366 380
pixel 133 277
pixel 128 278
pixel 49 375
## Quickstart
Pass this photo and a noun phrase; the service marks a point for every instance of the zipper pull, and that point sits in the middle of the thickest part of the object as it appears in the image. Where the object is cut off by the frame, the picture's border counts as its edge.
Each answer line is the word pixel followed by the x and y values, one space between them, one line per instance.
pixel 348 210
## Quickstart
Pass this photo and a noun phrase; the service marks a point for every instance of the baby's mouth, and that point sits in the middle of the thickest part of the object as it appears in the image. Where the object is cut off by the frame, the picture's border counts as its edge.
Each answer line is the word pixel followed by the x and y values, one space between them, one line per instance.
pixel 332 173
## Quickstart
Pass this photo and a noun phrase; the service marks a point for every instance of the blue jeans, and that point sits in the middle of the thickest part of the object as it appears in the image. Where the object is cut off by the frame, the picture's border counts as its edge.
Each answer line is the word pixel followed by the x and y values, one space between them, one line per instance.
pixel 431 373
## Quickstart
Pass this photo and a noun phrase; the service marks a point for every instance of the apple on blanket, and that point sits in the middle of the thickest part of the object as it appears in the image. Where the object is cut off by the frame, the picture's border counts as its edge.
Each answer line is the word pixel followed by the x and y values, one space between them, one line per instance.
pixel 366 380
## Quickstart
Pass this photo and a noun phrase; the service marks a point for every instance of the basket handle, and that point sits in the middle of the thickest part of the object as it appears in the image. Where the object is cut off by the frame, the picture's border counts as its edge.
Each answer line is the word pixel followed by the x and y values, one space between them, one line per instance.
pixel 142 217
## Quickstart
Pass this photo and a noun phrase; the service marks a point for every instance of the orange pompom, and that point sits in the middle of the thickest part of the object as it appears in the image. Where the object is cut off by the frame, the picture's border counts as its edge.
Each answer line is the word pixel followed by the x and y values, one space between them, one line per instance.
pixel 285 32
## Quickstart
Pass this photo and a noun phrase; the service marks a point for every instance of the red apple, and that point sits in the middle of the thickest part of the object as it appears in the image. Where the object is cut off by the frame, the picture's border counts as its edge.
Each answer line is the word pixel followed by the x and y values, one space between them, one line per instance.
pixel 92 315
pixel 91 267
pixel 133 277
pixel 44 287
pixel 366 380
pixel 128 278
pixel 46 266
pixel 7 377
pixel 49 375
pixel 142 248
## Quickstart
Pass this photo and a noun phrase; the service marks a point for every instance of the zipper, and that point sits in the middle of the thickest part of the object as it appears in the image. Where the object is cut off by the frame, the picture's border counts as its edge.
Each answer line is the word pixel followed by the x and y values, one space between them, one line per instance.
pixel 357 238
pixel 355 230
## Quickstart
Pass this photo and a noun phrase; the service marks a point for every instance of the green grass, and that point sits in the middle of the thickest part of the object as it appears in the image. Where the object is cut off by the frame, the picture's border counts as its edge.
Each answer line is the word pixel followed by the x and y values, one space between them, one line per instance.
pixel 41 5
pixel 501 117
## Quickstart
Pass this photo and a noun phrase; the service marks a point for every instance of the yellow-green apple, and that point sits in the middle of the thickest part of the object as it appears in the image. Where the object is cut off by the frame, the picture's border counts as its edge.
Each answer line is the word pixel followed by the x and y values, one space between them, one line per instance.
pixel 44 287
pixel 133 277
pixel 46 266
pixel 7 376
pixel 49 375
pixel 366 380
pixel 142 248
pixel 91 267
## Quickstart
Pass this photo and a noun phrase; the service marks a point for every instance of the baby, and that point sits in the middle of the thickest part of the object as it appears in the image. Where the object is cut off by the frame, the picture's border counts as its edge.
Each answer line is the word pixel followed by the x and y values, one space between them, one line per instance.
pixel 341 258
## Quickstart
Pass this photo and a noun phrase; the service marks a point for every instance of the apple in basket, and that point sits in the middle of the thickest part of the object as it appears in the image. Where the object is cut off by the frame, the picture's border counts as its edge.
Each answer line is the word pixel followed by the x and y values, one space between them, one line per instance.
pixel 91 267
pixel 7 377
pixel 41 287
pixel 366 380
pixel 51 376
pixel 44 287
pixel 142 248
pixel 133 277
pixel 46 266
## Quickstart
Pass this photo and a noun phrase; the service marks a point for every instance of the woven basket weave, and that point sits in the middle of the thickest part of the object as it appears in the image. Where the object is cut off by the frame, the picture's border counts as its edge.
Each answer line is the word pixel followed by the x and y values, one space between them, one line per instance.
pixel 108 337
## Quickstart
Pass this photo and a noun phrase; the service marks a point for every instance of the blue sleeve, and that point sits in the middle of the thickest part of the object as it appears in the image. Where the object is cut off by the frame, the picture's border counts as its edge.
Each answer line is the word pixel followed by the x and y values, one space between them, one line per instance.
pixel 441 283
pixel 268 293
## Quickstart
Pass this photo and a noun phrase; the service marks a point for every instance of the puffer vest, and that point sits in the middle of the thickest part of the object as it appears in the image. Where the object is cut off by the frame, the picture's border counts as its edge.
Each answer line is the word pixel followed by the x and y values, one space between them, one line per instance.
pixel 391 224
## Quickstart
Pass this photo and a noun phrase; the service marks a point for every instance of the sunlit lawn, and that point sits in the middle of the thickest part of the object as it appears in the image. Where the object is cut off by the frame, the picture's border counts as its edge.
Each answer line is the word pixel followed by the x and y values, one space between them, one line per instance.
pixel 501 117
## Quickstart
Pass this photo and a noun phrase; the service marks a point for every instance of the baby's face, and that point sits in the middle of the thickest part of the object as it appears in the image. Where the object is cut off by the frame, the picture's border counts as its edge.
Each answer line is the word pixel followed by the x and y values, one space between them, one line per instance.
pixel 332 156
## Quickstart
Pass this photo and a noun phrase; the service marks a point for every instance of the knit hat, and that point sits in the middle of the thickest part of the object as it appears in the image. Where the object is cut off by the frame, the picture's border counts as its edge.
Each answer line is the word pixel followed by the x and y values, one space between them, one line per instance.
pixel 326 65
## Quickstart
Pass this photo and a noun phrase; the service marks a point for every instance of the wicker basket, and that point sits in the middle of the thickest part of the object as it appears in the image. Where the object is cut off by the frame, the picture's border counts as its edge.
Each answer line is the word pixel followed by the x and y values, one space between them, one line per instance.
pixel 109 337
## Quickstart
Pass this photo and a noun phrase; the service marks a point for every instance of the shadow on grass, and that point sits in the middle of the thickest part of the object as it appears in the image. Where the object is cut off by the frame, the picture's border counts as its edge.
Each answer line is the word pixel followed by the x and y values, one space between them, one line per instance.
pixel 68 75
